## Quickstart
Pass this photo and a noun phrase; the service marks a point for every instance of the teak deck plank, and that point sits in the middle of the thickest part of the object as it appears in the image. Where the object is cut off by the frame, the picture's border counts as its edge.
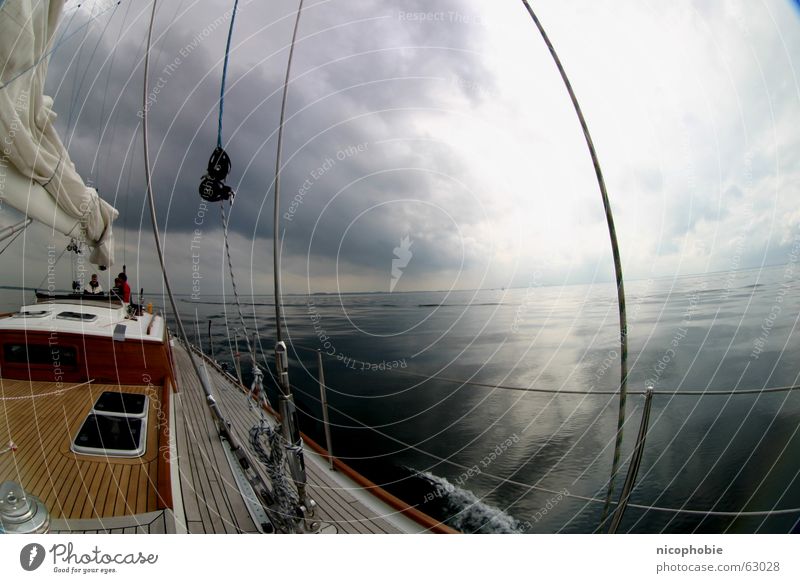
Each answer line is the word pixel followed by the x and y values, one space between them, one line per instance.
pixel 336 504
pixel 42 418
pixel 188 494
pixel 207 484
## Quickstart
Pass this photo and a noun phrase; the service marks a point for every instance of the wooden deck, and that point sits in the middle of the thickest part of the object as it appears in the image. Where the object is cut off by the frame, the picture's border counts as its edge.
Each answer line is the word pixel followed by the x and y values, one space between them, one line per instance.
pixel 158 522
pixel 88 494
pixel 42 420
pixel 211 500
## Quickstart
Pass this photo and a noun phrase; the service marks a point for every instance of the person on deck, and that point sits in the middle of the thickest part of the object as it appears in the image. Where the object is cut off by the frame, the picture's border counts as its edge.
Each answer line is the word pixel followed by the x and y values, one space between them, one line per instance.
pixel 116 291
pixel 94 286
pixel 124 288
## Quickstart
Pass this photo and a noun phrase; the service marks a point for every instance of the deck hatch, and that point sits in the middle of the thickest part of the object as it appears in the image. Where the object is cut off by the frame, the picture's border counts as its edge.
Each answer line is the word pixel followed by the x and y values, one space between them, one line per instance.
pixel 32 314
pixel 113 403
pixel 116 426
pixel 111 435
pixel 77 316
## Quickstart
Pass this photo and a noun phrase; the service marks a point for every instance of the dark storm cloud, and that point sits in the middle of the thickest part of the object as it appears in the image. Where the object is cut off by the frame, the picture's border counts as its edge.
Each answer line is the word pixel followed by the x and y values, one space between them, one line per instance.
pixel 382 97
pixel 364 76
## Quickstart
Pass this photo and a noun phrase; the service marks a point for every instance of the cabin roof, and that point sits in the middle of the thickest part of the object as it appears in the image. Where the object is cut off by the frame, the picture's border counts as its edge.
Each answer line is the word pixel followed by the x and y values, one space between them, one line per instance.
pixel 85 318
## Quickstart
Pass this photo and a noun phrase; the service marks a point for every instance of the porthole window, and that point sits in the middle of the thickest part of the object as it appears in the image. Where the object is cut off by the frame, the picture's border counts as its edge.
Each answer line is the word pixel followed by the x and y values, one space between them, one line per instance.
pixel 38 354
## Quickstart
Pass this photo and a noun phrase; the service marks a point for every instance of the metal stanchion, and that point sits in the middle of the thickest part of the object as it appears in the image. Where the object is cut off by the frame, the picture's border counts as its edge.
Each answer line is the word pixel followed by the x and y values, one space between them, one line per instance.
pixel 323 395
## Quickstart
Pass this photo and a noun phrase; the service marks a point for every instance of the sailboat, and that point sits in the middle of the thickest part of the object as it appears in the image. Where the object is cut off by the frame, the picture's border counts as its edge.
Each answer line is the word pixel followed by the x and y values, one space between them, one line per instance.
pixel 113 421
pixel 109 422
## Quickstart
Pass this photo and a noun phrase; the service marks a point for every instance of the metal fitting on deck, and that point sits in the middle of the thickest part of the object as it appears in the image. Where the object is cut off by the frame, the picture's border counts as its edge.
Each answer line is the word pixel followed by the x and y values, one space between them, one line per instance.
pixel 20 512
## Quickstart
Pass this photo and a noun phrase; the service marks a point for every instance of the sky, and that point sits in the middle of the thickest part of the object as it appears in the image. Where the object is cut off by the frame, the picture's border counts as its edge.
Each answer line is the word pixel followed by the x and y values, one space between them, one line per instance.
pixel 435 138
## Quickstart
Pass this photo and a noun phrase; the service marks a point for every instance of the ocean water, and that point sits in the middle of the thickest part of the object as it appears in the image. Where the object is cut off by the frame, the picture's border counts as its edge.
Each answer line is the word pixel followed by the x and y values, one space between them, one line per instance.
pixel 489 459
pixel 416 405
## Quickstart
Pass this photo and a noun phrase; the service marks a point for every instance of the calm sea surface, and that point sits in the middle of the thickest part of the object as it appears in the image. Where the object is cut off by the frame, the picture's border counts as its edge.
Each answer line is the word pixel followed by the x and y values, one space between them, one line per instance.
pixel 495 460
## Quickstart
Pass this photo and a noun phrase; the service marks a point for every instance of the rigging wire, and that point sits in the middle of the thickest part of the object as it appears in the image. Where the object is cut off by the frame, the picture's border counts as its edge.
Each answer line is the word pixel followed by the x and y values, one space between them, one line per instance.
pixel 57 45
pixel 153 219
pixel 14 238
pixel 233 281
pixel 86 72
pixel 54 264
pixel 623 323
pixel 225 74
pixel 276 216
pixel 223 426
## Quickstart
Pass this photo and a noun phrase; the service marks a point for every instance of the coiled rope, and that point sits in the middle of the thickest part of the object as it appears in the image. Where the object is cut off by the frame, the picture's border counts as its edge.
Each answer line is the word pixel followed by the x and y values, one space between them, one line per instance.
pixel 273 461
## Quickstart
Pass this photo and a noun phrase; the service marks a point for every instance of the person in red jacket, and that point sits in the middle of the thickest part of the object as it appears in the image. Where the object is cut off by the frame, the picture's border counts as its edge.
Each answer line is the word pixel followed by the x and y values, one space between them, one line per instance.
pixel 124 287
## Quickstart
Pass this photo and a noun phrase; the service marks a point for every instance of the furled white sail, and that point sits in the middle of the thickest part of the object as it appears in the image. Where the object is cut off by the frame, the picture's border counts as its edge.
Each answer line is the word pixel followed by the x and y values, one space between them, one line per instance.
pixel 40 180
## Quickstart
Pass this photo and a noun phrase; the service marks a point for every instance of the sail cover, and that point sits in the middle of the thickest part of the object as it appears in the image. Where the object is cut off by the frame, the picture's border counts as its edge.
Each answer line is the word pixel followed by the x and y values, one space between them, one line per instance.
pixel 40 179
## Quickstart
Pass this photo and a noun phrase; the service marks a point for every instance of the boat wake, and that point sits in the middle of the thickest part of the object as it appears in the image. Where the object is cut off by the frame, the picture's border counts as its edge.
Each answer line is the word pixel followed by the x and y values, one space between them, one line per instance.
pixel 463 510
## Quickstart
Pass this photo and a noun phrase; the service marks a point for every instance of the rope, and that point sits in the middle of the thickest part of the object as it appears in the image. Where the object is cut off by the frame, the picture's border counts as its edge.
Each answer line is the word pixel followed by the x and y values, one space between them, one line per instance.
pixel 273 461
pixel 233 280
pixel 225 74
pixel 14 238
pixel 623 323
pixel 54 264
pixel 79 85
pixel 669 393
pixel 57 392
pixel 276 216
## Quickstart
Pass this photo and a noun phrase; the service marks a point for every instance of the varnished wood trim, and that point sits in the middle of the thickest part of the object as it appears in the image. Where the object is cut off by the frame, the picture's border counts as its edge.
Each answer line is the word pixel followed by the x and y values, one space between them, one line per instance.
pixel 164 476
pixel 132 362
pixel 417 516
